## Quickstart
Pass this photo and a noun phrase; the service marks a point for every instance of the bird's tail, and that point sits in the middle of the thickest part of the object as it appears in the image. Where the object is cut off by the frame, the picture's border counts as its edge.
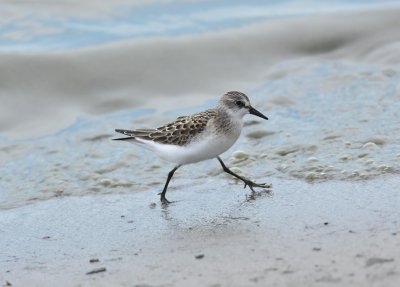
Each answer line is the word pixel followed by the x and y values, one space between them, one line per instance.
pixel 123 139
pixel 136 137
pixel 133 135
pixel 128 133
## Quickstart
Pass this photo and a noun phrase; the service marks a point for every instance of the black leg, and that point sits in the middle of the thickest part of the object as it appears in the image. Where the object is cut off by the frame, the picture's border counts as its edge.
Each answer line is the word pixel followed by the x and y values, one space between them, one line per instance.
pixel 246 181
pixel 163 199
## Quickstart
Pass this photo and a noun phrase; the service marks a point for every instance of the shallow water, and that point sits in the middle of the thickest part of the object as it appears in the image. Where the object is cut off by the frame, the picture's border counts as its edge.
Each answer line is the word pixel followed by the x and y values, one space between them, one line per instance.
pixel 332 98
pixel 63 25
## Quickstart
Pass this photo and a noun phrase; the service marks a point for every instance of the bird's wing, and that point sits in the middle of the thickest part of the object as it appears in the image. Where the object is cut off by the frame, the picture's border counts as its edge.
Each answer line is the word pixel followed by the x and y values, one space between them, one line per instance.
pixel 179 132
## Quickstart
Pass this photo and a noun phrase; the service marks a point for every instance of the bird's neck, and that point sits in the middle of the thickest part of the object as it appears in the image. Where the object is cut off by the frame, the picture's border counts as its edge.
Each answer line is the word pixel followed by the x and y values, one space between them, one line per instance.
pixel 229 122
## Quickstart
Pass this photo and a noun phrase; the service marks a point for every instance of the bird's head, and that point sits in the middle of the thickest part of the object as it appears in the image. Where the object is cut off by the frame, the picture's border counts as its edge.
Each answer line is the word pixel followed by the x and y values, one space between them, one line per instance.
pixel 237 103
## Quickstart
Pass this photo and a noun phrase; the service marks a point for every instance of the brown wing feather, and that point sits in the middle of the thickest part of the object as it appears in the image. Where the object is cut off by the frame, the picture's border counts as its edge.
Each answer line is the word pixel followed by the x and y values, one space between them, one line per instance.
pixel 179 132
pixel 183 129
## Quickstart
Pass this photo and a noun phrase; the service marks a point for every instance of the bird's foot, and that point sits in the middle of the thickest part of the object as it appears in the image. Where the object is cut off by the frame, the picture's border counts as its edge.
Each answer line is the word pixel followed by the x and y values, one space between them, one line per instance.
pixel 164 200
pixel 252 184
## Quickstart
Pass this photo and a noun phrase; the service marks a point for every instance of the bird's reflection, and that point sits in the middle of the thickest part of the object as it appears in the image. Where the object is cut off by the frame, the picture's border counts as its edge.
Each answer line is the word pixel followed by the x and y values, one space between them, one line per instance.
pixel 254 195
pixel 168 211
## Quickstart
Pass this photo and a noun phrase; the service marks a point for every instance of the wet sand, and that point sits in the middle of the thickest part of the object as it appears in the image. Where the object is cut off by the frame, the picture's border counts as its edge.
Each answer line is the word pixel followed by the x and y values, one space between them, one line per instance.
pixel 334 233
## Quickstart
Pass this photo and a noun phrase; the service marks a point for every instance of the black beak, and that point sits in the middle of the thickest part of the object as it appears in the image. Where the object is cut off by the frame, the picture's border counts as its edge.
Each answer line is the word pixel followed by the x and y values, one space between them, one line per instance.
pixel 253 111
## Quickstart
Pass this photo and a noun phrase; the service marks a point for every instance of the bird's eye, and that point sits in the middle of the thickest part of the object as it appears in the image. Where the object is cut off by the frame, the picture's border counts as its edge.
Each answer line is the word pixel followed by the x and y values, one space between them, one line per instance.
pixel 239 103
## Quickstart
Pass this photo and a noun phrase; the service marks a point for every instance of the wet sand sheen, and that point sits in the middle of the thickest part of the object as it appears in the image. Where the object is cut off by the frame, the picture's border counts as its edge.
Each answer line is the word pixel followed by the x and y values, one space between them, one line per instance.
pixel 338 233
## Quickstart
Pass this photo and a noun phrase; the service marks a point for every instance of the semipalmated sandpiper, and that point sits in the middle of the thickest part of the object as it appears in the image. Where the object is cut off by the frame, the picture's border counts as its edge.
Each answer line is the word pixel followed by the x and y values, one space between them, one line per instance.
pixel 198 137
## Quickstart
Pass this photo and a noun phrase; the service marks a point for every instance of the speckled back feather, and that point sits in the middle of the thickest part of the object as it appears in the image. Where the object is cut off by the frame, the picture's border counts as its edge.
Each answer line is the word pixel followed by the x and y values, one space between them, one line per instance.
pixel 179 132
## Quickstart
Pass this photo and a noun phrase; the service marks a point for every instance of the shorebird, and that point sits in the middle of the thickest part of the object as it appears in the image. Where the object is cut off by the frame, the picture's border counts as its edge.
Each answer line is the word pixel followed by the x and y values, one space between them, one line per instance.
pixel 198 137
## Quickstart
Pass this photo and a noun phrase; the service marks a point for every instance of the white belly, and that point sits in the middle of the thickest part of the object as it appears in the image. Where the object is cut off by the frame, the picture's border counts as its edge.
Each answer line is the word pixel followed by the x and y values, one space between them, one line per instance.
pixel 209 144
pixel 206 148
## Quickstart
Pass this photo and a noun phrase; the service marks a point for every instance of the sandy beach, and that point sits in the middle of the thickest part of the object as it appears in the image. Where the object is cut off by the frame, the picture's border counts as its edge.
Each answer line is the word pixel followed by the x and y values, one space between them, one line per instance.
pixel 337 233
pixel 77 209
